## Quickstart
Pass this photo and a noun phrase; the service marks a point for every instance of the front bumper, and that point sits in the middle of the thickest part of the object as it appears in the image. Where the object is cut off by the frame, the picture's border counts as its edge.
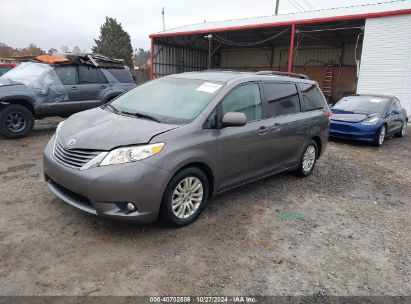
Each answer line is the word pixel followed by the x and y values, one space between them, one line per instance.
pixel 105 191
pixel 355 131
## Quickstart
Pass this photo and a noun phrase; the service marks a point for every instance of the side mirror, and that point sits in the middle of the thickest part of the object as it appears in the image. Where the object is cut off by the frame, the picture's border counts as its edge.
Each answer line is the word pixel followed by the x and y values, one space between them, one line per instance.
pixel 234 119
pixel 395 112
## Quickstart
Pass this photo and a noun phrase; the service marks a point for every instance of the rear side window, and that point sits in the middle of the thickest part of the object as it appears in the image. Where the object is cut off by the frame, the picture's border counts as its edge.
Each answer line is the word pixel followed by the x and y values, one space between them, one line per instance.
pixel 245 99
pixel 67 74
pixel 312 97
pixel 121 75
pixel 91 75
pixel 282 98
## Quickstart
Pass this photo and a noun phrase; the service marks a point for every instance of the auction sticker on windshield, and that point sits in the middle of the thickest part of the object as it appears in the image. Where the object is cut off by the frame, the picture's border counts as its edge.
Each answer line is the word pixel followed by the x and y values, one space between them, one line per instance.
pixel 209 87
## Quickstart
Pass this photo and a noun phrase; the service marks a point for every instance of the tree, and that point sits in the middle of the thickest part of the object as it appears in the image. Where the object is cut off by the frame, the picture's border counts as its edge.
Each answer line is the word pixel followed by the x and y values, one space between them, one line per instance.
pixel 141 57
pixel 76 50
pixel 31 50
pixel 114 42
pixel 5 50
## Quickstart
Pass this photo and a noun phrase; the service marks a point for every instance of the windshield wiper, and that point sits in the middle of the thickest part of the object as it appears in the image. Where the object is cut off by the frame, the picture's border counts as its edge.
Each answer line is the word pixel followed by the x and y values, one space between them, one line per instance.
pixel 141 115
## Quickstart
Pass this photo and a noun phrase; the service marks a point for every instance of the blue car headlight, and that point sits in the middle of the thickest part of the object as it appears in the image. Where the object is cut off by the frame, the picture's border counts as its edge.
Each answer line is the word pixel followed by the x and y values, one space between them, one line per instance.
pixel 371 121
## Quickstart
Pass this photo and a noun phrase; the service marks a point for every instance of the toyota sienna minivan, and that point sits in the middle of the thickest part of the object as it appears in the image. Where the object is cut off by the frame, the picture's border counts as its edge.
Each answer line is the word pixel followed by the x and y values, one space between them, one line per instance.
pixel 166 147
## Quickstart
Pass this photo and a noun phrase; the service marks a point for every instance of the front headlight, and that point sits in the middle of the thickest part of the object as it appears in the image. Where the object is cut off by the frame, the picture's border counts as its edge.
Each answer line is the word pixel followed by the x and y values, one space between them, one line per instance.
pixel 131 154
pixel 371 121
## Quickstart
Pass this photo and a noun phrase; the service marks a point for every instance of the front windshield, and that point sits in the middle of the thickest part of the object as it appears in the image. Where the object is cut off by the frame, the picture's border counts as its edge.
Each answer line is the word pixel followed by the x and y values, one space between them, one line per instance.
pixel 27 72
pixel 169 100
pixel 363 104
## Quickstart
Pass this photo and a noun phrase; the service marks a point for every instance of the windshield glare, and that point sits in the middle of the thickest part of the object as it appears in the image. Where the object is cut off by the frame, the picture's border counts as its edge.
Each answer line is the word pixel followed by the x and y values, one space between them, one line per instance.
pixel 170 100
pixel 366 104
pixel 27 72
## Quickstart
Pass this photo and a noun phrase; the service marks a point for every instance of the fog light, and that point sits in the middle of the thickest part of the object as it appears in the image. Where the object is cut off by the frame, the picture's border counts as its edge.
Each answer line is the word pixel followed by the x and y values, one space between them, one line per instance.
pixel 130 207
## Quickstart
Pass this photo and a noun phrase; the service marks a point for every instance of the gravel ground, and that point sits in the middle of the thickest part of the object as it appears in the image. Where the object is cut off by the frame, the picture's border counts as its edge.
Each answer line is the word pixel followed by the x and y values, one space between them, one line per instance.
pixel 345 230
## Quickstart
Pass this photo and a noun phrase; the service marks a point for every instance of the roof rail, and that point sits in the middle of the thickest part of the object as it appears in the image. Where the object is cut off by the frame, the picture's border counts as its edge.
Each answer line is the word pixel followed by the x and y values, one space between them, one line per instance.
pixel 224 70
pixel 278 73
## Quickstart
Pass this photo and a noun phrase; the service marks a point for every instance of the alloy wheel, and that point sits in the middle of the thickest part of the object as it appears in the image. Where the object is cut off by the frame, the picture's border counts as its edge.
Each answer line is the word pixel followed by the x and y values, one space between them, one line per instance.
pixel 404 129
pixel 382 136
pixel 309 158
pixel 16 122
pixel 187 197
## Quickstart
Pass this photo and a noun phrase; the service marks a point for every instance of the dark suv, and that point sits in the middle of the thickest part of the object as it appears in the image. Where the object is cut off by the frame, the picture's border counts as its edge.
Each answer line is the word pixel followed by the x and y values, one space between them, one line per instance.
pixel 166 146
pixel 36 90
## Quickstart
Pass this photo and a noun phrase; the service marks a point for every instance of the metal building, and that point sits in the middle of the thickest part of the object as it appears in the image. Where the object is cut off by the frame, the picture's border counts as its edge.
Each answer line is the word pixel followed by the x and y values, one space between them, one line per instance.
pixel 364 49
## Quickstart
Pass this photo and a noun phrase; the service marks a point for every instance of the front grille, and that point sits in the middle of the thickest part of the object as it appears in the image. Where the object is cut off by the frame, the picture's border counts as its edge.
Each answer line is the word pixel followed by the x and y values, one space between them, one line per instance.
pixel 74 158
pixel 79 199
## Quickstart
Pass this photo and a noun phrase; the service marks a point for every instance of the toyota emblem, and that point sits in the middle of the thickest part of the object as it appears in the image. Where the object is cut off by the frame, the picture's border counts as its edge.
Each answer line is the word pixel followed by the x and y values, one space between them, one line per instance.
pixel 71 141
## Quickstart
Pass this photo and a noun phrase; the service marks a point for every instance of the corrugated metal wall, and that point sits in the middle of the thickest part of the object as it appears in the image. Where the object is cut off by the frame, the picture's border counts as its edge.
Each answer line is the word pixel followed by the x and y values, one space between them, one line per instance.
pixel 171 60
pixel 316 55
pixel 386 58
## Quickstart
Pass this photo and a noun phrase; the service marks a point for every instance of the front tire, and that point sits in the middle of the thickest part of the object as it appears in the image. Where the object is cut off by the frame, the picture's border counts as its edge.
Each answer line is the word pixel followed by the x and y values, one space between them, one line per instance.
pixel 185 197
pixel 381 136
pixel 16 121
pixel 308 160
pixel 403 130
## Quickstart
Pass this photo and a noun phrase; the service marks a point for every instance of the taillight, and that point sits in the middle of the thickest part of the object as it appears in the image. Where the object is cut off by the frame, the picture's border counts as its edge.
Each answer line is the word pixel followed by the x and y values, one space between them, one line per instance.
pixel 330 114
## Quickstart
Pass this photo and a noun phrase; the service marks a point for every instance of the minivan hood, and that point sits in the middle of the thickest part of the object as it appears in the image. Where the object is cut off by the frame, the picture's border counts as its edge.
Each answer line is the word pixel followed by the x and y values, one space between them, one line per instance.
pixel 349 116
pixel 98 129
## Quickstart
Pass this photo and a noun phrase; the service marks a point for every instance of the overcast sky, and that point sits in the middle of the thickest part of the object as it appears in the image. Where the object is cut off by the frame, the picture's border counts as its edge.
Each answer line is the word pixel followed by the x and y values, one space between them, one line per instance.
pixel 53 23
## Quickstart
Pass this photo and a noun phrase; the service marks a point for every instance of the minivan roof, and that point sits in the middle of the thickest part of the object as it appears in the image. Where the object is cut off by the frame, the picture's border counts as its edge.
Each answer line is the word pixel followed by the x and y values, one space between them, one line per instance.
pixel 227 76
pixel 372 95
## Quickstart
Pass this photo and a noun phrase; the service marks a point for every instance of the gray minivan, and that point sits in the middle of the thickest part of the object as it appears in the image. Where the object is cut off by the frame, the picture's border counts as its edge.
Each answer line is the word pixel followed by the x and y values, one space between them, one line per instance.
pixel 167 146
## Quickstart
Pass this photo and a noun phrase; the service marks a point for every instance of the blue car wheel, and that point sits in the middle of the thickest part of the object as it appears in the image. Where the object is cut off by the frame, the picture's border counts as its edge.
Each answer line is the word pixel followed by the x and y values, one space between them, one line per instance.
pixel 381 136
pixel 403 130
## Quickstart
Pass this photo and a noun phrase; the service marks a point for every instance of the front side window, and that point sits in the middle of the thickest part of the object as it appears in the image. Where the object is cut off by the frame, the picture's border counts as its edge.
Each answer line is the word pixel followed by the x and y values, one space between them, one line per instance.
pixel 170 100
pixel 282 99
pixel 67 74
pixel 312 97
pixel 245 99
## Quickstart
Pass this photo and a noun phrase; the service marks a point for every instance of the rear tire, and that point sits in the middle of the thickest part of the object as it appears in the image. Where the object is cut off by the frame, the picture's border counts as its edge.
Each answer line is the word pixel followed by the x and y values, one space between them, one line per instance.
pixel 16 121
pixel 185 197
pixel 381 136
pixel 308 160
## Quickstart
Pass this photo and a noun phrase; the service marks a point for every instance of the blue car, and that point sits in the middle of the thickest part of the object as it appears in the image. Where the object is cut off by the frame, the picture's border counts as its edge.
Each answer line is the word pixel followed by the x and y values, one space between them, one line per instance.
pixel 370 118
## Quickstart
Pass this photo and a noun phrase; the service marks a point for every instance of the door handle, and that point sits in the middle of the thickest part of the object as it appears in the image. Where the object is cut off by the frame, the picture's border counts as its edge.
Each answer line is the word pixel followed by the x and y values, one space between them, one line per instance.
pixel 276 127
pixel 103 86
pixel 74 88
pixel 262 130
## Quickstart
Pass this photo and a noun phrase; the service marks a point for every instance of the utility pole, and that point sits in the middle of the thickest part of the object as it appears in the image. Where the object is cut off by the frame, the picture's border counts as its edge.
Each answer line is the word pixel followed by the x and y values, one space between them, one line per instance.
pixel 164 21
pixel 209 37
pixel 277 4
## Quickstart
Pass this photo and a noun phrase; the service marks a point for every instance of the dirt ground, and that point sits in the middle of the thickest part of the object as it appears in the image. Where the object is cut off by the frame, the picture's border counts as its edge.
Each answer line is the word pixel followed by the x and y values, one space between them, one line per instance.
pixel 345 230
